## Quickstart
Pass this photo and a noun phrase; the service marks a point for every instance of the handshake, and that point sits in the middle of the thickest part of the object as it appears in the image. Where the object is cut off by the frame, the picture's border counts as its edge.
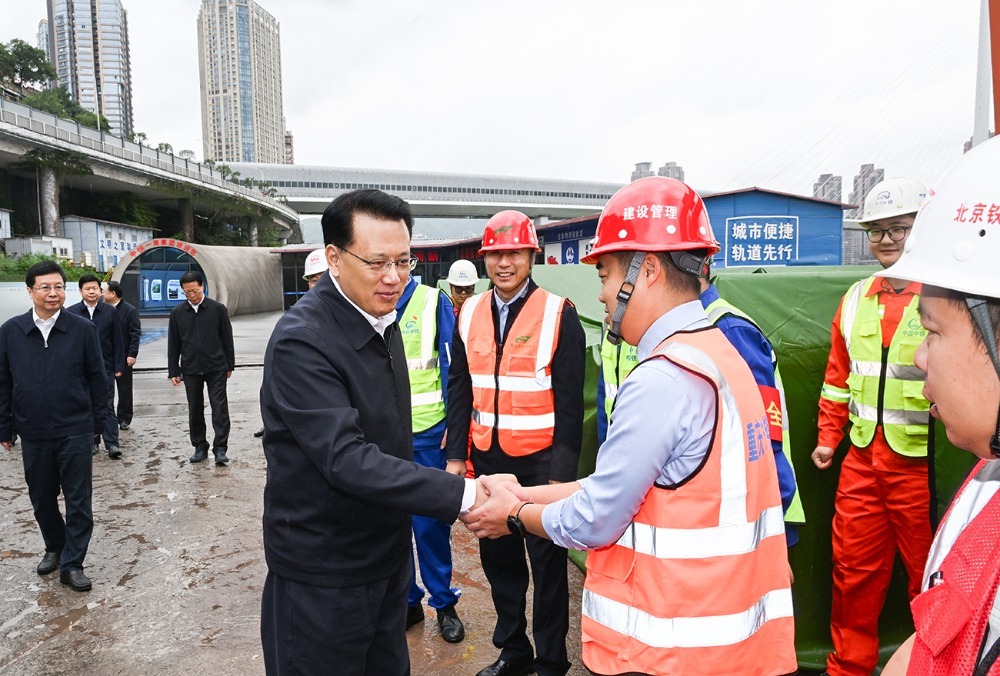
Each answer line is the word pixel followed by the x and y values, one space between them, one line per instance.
pixel 497 497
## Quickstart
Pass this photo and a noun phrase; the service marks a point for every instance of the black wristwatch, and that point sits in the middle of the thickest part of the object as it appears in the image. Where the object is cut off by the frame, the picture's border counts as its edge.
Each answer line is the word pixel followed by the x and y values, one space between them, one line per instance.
pixel 514 523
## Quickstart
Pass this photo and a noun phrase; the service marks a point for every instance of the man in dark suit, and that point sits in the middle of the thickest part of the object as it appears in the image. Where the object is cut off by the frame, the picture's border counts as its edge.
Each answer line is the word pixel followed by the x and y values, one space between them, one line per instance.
pixel 52 389
pixel 200 352
pixel 128 319
pixel 341 481
pixel 109 332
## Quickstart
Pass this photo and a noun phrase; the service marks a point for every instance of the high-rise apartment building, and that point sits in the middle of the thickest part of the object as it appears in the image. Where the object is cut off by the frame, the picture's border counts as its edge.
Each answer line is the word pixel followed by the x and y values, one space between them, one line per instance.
pixel 43 36
pixel 828 187
pixel 88 45
pixel 642 170
pixel 671 170
pixel 239 52
pixel 866 179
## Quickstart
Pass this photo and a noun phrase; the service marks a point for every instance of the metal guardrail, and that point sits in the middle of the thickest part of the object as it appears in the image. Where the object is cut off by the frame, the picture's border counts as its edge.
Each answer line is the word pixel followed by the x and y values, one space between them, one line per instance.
pixel 69 131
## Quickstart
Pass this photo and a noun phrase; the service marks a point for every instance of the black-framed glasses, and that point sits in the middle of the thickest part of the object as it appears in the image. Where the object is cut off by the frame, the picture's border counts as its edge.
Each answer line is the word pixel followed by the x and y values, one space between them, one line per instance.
pixel 45 288
pixel 896 233
pixel 463 290
pixel 382 265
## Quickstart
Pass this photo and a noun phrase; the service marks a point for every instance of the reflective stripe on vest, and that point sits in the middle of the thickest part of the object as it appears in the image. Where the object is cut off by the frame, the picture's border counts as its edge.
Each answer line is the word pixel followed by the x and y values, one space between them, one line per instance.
pixel 512 394
pixel 904 414
pixel 617 361
pixel 700 580
pixel 718 309
pixel 418 327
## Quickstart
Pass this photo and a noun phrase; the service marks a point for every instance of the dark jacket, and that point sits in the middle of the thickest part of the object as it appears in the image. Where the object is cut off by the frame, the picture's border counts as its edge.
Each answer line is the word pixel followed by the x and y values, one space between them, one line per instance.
pixel 341 484
pixel 200 342
pixel 54 391
pixel 560 461
pixel 128 319
pixel 109 333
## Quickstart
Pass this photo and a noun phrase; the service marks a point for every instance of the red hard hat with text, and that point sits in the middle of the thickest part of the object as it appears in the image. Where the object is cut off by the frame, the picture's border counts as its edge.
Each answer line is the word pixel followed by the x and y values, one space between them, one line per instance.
pixel 508 231
pixel 653 214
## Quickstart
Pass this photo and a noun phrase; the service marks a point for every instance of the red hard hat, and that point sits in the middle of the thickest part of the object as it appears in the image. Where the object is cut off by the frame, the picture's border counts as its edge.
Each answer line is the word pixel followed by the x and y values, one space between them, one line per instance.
pixel 653 214
pixel 508 231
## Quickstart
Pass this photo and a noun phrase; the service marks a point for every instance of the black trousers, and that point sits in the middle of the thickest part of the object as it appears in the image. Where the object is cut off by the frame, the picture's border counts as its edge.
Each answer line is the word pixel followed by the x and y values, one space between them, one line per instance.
pixel 51 466
pixel 194 386
pixel 124 382
pixel 110 433
pixel 349 631
pixel 506 569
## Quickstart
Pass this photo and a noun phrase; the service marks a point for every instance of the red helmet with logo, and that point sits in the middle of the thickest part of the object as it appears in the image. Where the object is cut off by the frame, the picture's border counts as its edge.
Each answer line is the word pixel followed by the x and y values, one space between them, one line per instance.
pixel 653 214
pixel 508 231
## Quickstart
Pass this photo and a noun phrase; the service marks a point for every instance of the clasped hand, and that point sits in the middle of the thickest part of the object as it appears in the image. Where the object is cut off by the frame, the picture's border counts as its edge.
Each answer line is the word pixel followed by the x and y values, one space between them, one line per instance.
pixel 496 497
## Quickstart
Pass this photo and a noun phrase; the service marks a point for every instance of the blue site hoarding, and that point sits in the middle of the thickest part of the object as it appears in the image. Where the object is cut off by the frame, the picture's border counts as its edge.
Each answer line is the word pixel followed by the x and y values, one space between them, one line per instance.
pixel 755 228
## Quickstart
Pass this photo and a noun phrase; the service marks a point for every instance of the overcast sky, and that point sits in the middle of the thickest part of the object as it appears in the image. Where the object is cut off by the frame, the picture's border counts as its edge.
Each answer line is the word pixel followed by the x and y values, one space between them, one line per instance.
pixel 738 92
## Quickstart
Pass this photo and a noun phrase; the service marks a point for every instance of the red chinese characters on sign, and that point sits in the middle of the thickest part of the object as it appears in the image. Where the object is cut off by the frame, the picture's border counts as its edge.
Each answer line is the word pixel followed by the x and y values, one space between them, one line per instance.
pixel 979 212
pixel 174 243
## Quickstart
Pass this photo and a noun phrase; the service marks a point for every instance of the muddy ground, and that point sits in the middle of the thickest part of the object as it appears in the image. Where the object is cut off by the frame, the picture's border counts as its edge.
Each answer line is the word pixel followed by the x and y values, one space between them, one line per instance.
pixel 176 556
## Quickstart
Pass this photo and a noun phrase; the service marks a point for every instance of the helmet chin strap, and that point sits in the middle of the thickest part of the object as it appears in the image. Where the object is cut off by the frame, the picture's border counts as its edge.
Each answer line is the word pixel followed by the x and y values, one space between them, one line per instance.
pixel 980 315
pixel 624 294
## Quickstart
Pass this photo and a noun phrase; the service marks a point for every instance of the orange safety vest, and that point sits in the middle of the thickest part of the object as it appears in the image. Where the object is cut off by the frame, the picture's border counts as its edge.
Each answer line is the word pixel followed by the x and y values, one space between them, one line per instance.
pixel 951 617
pixel 698 583
pixel 512 386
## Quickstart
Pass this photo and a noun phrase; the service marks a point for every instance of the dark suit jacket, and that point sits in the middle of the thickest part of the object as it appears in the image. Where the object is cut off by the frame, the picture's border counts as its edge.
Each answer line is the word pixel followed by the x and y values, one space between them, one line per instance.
pixel 108 332
pixel 51 391
pixel 200 342
pixel 128 319
pixel 341 484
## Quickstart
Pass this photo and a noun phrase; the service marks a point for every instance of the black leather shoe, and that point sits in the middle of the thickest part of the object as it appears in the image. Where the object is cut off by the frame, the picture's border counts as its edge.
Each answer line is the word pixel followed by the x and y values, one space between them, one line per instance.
pixel 76 580
pixel 199 455
pixel 259 433
pixel 124 425
pixel 502 668
pixel 452 629
pixel 220 456
pixel 414 615
pixel 48 563
pixel 114 452
pixel 96 449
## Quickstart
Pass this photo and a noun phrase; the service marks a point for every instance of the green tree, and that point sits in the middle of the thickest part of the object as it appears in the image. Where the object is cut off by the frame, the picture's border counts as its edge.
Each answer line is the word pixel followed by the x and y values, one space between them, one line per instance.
pixel 22 64
pixel 57 101
pixel 165 148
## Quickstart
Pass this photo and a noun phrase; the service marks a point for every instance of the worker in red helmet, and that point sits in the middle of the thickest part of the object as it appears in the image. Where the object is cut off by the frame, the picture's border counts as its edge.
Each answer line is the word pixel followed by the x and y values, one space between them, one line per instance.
pixel 516 383
pixel 687 570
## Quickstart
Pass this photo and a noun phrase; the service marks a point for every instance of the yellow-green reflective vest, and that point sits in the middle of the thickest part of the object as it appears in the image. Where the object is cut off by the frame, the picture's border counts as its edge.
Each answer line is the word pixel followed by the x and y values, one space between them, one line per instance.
pixel 718 309
pixel 903 411
pixel 617 361
pixel 418 326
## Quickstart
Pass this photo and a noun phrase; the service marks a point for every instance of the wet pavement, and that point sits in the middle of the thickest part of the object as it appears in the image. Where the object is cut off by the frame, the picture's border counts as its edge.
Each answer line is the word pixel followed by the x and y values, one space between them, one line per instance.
pixel 176 556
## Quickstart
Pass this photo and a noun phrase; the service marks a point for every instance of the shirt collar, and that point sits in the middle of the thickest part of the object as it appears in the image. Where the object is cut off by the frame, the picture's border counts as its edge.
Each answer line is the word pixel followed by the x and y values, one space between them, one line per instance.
pixel 520 294
pixel 51 320
pixel 882 284
pixel 378 323
pixel 684 317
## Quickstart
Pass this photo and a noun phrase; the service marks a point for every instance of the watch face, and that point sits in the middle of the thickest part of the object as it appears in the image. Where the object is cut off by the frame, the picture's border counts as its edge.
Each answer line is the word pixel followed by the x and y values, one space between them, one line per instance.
pixel 515 526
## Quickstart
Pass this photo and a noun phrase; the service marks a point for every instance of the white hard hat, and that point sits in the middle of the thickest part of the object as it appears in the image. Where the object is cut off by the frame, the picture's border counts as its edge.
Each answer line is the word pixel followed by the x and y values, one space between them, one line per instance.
pixel 315 262
pixel 955 241
pixel 893 197
pixel 463 273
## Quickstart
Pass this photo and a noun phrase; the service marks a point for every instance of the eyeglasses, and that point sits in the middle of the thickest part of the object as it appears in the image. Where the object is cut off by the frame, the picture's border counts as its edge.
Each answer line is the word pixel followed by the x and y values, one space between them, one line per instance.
pixel 382 266
pixel 192 292
pixel 45 288
pixel 896 233
pixel 463 290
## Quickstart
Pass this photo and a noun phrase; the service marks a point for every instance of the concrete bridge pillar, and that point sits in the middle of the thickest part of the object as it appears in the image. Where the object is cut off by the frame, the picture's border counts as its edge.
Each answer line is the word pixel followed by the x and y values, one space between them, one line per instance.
pixel 187 219
pixel 254 233
pixel 48 194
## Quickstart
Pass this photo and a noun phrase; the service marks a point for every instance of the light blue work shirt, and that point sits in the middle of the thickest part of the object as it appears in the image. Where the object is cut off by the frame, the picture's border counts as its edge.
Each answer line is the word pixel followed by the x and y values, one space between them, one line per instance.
pixel 503 308
pixel 660 432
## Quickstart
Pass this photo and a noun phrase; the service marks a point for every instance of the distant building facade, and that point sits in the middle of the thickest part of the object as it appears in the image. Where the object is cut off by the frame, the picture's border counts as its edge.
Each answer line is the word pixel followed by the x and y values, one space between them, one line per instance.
pixel 866 179
pixel 829 187
pixel 102 244
pixel 642 170
pixel 88 45
pixel 239 55
pixel 42 38
pixel 289 147
pixel 671 170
